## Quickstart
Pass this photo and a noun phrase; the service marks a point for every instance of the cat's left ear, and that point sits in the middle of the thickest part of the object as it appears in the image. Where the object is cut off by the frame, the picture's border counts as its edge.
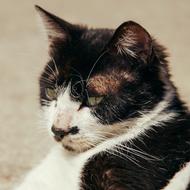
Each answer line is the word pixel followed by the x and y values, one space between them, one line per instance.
pixel 131 39
pixel 57 29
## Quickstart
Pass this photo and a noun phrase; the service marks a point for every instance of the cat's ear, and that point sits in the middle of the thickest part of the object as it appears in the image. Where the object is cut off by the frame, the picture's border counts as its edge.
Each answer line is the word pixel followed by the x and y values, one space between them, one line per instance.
pixel 131 39
pixel 58 31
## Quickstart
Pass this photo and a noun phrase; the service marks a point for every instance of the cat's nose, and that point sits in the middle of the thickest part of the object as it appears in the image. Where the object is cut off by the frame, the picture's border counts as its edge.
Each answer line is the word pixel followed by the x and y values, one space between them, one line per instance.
pixel 61 133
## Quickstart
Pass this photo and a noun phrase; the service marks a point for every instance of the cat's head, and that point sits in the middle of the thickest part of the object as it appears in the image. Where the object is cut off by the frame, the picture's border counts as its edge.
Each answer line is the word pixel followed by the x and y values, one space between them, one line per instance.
pixel 97 81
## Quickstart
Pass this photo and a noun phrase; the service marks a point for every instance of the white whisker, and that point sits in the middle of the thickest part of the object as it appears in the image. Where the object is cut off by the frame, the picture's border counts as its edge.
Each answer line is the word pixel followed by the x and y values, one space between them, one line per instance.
pixel 101 55
pixel 55 65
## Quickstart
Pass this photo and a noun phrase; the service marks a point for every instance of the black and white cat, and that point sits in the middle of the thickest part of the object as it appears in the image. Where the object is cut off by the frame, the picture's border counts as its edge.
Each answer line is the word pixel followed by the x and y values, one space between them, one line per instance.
pixel 107 98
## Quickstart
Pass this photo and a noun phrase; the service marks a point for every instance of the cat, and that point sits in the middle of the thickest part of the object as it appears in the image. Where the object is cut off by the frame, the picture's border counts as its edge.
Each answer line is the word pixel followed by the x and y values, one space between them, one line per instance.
pixel 107 99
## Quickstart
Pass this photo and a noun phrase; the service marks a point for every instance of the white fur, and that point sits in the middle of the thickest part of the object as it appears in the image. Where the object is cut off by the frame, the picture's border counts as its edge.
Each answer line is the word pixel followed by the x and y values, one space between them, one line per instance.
pixel 180 180
pixel 65 113
pixel 58 170
pixel 62 169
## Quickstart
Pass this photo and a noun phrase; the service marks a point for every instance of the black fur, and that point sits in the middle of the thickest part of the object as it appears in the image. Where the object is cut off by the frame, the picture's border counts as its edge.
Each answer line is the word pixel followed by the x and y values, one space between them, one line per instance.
pixel 169 144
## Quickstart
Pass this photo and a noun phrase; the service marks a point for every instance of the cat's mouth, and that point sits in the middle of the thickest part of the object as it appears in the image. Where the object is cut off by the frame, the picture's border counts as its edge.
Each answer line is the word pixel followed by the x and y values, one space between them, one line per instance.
pixel 69 148
pixel 81 143
pixel 57 138
pixel 77 145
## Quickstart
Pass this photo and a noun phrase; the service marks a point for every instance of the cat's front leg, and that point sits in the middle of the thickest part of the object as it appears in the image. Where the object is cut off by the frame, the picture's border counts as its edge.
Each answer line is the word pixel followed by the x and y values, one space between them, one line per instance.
pixel 34 180
pixel 48 175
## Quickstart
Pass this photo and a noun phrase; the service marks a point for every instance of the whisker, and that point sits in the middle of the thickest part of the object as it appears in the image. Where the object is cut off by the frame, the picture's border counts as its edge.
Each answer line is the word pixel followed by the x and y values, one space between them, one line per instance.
pixel 123 156
pixel 139 153
pixel 101 55
pixel 46 79
pixel 53 72
pixel 47 71
pixel 55 65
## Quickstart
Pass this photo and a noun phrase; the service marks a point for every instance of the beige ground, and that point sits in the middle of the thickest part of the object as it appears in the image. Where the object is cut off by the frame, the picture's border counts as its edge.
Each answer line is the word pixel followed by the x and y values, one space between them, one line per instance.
pixel 22 56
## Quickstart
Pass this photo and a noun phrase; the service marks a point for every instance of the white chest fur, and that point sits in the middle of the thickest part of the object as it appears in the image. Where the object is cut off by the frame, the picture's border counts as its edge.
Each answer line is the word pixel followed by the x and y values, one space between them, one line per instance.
pixel 58 171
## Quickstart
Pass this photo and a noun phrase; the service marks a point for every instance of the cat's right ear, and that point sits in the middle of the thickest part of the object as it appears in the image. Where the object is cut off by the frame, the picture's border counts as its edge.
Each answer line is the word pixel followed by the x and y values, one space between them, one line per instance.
pixel 131 39
pixel 58 31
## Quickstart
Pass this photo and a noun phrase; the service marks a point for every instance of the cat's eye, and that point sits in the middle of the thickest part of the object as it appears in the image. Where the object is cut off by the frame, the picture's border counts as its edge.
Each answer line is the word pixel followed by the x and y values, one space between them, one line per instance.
pixel 94 100
pixel 51 93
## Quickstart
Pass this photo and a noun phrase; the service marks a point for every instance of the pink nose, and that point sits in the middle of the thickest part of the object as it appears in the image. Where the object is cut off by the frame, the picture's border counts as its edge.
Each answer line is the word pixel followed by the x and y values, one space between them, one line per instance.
pixel 61 133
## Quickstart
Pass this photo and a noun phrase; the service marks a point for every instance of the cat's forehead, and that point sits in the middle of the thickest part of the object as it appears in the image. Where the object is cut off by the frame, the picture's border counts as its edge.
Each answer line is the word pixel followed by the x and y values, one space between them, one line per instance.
pixel 85 62
pixel 97 37
pixel 110 81
pixel 85 50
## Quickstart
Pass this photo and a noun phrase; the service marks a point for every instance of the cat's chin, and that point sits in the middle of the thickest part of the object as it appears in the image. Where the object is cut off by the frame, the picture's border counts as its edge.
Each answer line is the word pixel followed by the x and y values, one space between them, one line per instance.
pixel 75 149
pixel 75 146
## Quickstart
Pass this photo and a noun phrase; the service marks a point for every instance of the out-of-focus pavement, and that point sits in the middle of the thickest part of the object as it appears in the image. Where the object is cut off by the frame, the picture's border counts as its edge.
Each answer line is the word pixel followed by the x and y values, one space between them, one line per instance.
pixel 22 56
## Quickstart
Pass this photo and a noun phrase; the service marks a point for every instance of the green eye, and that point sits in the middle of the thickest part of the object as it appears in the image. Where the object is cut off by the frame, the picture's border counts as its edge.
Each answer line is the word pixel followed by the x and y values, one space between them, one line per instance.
pixel 92 101
pixel 51 93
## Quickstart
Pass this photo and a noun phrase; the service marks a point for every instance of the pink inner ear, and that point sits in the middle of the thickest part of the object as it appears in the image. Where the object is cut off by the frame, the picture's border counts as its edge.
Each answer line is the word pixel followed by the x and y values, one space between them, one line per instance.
pixel 132 39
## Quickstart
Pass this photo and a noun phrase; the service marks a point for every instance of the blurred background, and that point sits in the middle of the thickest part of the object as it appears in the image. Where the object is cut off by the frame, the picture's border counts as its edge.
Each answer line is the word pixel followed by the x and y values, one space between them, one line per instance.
pixel 23 54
